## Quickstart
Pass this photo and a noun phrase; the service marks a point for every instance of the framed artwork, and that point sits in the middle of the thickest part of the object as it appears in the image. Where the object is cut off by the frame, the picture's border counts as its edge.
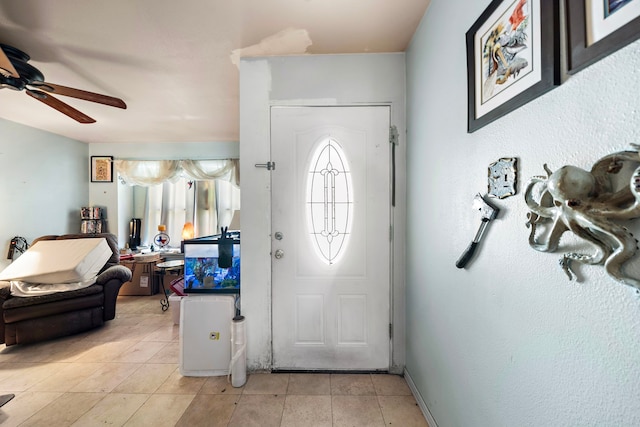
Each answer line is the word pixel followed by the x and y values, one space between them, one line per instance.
pixel 513 56
pixel 597 28
pixel 101 169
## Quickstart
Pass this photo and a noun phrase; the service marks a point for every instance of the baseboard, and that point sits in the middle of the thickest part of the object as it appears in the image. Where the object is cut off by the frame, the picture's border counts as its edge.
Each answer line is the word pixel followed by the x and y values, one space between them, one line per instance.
pixel 325 371
pixel 423 406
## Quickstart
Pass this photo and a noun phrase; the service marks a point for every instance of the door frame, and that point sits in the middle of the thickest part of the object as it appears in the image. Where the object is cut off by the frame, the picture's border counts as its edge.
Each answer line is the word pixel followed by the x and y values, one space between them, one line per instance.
pixel 324 80
pixel 256 224
pixel 392 368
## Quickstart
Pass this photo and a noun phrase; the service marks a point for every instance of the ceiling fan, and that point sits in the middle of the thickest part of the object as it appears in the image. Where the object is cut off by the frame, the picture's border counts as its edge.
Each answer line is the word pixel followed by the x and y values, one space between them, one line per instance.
pixel 17 74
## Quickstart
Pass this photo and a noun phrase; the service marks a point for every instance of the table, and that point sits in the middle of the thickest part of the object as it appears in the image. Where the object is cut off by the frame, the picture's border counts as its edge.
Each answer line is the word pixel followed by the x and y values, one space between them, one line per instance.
pixel 162 269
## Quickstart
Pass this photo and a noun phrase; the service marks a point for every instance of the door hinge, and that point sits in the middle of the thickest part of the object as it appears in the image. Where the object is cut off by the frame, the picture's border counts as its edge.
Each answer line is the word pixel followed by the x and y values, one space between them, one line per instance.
pixel 391 233
pixel 269 165
pixel 393 135
pixel 390 330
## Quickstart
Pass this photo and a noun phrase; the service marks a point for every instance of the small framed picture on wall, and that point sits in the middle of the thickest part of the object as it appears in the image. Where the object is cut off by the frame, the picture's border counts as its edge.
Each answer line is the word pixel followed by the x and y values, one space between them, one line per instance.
pixel 599 28
pixel 101 169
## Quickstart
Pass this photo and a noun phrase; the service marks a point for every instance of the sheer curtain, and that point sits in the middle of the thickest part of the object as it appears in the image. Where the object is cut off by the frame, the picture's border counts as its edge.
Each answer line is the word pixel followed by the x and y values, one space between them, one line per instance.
pixel 165 204
pixel 203 192
pixel 151 172
pixel 227 201
pixel 205 219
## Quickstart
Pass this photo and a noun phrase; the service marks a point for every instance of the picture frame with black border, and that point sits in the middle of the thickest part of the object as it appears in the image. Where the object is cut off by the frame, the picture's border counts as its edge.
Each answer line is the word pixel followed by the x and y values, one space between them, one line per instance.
pixel 532 71
pixel 594 33
pixel 101 168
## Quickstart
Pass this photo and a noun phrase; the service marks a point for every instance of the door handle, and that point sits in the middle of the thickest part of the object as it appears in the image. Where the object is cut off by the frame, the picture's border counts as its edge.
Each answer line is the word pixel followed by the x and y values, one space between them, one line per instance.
pixel 279 254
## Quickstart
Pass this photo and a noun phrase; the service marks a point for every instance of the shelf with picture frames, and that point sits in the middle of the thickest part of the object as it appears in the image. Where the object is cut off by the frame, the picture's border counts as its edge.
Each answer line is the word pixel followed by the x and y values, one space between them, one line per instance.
pixel 92 220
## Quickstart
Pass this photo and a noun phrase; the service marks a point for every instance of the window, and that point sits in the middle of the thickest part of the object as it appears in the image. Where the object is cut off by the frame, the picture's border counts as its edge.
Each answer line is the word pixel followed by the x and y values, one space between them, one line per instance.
pixel 174 192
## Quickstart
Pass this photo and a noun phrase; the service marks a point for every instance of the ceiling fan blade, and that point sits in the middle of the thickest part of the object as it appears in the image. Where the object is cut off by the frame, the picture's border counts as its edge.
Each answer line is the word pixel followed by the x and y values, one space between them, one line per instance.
pixel 6 67
pixel 80 94
pixel 60 106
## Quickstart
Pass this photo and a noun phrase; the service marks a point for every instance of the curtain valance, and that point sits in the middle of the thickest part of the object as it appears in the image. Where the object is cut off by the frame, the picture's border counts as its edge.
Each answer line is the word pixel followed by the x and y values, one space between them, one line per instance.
pixel 153 172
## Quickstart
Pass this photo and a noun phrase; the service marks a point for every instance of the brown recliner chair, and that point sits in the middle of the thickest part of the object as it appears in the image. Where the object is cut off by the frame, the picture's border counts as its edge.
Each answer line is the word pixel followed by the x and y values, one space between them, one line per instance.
pixel 38 318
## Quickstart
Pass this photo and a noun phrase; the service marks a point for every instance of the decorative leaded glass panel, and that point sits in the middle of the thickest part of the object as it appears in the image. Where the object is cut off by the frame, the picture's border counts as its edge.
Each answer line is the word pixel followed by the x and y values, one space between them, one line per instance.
pixel 329 200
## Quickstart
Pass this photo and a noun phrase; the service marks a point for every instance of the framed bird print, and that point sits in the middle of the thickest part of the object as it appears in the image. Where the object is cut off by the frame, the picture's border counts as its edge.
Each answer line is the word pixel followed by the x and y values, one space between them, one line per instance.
pixel 513 56
pixel 101 169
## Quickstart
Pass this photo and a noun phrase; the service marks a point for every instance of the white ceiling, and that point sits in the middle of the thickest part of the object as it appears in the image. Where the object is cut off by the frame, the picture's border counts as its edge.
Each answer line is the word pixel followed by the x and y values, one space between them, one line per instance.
pixel 172 62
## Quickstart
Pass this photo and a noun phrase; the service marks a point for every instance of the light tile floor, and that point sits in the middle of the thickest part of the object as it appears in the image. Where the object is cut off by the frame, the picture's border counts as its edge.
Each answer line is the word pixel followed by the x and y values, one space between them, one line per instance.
pixel 126 374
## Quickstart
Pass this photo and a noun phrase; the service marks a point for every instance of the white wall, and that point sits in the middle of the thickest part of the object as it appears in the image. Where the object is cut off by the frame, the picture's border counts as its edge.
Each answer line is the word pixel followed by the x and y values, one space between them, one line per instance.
pixel 305 80
pixel 118 198
pixel 44 183
pixel 509 341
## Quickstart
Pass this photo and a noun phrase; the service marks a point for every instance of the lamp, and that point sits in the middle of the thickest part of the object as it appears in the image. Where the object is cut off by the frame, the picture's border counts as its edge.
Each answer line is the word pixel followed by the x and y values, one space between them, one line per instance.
pixel 187 233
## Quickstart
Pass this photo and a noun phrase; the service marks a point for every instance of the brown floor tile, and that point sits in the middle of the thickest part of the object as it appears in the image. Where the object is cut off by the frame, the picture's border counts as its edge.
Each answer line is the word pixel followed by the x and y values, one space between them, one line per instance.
pixel 160 410
pixel 140 352
pixel 71 351
pixel 65 410
pixel 390 385
pixel 219 385
pixel 164 333
pixel 146 379
pixel 258 411
pixel 178 384
pixel 106 351
pixel 401 411
pixel 266 384
pixel 307 411
pixel 356 411
pixel 108 377
pixel 67 376
pixel 209 411
pixel 170 353
pixel 27 375
pixel 309 384
pixel 352 384
pixel 113 409
pixel 24 405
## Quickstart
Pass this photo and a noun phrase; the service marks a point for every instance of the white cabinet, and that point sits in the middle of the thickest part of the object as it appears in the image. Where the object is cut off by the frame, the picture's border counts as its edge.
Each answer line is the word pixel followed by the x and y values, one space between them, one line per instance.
pixel 205 334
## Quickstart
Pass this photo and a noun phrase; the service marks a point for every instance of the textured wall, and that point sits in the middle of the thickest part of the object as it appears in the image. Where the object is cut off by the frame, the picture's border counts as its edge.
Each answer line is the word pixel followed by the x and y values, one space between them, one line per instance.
pixel 44 182
pixel 509 341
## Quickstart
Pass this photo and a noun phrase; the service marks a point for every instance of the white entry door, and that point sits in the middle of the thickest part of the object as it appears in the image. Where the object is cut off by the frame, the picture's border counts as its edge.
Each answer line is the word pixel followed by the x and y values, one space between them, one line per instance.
pixel 330 237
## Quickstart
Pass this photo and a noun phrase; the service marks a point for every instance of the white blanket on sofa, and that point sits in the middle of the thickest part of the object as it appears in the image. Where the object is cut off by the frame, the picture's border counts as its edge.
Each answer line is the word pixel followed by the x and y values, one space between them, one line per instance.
pixel 25 289
pixel 59 261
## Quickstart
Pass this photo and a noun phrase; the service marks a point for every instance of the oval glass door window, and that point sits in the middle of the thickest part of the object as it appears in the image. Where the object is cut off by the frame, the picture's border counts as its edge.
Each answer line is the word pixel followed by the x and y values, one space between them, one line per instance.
pixel 329 200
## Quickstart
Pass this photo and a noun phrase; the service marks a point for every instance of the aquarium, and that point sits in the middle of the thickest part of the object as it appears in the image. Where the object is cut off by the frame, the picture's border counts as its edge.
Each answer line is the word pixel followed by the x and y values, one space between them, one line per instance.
pixel 202 273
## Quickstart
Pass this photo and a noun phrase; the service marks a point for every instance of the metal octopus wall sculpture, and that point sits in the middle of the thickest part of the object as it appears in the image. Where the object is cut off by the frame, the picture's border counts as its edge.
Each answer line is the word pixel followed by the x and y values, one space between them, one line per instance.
pixel 588 203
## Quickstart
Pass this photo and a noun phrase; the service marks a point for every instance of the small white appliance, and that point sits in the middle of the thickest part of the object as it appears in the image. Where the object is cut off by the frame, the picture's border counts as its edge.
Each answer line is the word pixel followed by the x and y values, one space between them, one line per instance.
pixel 205 334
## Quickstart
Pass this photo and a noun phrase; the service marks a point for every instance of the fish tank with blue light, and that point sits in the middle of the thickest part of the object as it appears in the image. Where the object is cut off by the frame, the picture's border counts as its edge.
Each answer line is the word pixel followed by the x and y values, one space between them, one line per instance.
pixel 203 272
